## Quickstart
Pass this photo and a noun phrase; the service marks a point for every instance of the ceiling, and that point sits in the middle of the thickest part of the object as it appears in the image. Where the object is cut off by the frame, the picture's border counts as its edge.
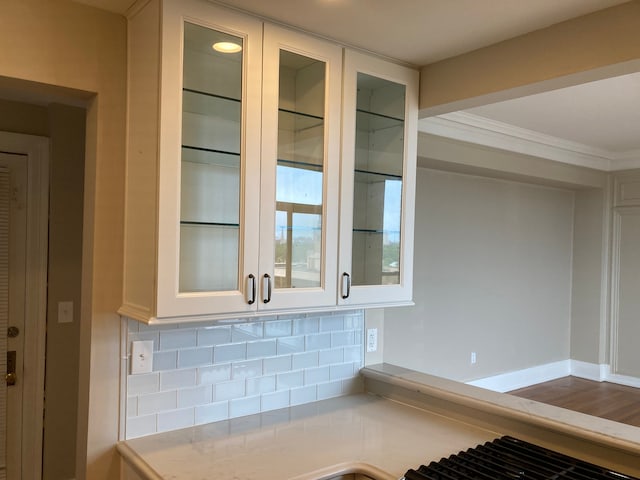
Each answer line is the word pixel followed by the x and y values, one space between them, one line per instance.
pixel 595 124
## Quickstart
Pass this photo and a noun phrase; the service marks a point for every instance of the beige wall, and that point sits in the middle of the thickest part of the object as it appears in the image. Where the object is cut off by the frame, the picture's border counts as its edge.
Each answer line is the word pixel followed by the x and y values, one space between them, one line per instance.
pixel 60 43
pixel 589 287
pixel 602 44
pixel 65 128
pixel 67 132
pixel 492 274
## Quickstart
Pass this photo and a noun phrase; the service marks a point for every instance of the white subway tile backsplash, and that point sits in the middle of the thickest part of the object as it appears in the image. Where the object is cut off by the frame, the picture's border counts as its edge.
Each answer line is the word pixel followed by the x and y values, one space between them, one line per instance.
pixel 240 407
pixel 132 406
pixel 214 335
pixel 261 385
pixel 190 397
pixel 354 321
pixel 290 345
pixel 327 357
pixel 165 360
pixel 245 369
pixel 275 400
pixel 277 329
pixel 176 419
pixel 174 379
pixel 214 412
pixel 195 357
pixel 341 339
pixel 247 331
pixel 141 426
pixel 214 374
pixel 304 395
pixel 229 352
pixel 229 390
pixel 145 383
pixel 290 380
pixel 261 349
pixel 304 360
pixel 329 390
pixel 332 323
pixel 317 342
pixel 316 375
pixel 277 364
pixel 208 373
pixel 339 372
pixel 303 326
pixel 157 402
pixel 353 354
pixel 174 339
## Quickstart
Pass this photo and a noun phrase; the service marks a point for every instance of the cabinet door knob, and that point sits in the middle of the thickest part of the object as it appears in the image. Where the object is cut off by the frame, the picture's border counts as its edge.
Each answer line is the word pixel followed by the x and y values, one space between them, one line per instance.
pixel 266 288
pixel 252 289
pixel 346 285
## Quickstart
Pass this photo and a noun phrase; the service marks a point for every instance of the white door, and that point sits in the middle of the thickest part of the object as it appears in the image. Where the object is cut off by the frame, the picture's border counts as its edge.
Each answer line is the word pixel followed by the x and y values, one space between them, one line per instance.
pixel 13 227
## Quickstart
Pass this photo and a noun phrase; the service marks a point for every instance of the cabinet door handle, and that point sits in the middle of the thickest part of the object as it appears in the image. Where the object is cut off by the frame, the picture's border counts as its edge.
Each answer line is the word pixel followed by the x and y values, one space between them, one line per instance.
pixel 346 285
pixel 252 288
pixel 266 287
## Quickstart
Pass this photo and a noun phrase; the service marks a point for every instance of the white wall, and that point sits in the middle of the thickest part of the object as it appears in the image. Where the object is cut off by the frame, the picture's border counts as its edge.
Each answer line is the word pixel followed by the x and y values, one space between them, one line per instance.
pixel 492 274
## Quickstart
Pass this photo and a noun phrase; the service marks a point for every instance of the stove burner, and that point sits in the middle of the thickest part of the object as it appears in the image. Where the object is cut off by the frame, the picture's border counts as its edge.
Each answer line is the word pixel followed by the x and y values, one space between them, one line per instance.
pixel 508 458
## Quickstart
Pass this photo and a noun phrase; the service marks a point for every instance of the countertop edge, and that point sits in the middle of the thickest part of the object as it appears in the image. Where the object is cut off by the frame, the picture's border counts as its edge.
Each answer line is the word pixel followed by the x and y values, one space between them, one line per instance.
pixel 597 430
pixel 135 461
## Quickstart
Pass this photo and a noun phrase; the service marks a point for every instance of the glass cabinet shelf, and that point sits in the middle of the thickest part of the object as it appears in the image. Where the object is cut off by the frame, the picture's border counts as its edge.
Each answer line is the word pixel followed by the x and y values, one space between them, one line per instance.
pixel 209 224
pixel 298 121
pixel 371 121
pixel 302 165
pixel 368 176
pixel 209 156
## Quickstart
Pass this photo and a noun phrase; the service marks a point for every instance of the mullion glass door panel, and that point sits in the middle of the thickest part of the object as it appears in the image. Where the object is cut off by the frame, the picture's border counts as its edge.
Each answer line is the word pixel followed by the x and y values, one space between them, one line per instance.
pixel 299 173
pixel 378 182
pixel 210 187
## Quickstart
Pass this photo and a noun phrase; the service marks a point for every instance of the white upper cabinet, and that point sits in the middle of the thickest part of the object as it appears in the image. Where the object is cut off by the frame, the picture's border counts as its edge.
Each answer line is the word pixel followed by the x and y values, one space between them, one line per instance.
pixel 379 130
pixel 233 165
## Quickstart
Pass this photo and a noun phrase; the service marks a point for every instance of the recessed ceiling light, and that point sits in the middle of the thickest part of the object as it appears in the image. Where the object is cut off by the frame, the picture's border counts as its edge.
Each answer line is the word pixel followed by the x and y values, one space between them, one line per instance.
pixel 226 47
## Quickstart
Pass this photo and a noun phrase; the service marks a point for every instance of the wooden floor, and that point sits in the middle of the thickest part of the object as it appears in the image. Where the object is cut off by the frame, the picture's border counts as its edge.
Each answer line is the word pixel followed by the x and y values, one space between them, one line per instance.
pixel 601 399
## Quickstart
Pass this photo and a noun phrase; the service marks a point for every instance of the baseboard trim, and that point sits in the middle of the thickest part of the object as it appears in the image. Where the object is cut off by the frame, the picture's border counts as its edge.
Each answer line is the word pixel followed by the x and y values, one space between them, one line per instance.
pixel 506 382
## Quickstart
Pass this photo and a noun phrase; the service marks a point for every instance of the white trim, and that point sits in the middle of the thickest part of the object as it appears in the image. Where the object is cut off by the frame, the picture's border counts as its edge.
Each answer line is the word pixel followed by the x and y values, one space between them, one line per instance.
pixel 506 382
pixel 37 150
pixel 490 133
pixel 590 371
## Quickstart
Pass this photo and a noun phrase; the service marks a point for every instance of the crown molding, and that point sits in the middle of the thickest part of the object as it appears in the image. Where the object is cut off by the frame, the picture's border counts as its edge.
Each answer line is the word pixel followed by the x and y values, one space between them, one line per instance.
pixel 490 133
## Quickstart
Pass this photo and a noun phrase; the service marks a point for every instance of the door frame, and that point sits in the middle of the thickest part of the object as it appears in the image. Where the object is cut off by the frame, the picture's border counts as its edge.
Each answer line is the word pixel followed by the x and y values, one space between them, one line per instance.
pixel 36 149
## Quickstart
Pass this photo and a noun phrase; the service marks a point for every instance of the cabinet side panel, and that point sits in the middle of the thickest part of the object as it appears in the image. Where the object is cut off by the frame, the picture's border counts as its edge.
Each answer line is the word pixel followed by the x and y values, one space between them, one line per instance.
pixel 142 162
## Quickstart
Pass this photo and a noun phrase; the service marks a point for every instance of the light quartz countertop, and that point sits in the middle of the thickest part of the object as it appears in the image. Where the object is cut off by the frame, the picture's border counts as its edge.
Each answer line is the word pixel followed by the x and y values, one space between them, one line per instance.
pixel 405 419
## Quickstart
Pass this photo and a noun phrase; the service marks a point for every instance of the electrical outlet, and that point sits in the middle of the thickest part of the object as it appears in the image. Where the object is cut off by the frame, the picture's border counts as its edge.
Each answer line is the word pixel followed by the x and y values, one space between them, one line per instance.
pixel 473 358
pixel 372 340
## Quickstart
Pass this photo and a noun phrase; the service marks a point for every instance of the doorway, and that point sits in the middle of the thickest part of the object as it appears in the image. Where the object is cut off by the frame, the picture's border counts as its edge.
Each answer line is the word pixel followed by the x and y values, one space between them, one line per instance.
pixel 23 275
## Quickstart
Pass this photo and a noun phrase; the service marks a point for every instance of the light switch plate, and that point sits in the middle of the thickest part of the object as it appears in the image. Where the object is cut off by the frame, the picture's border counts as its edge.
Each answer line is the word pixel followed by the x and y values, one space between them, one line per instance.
pixel 141 357
pixel 65 312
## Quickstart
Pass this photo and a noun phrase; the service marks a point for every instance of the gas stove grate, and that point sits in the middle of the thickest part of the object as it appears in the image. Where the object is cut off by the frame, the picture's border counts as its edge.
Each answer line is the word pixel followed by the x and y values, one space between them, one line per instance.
pixel 508 458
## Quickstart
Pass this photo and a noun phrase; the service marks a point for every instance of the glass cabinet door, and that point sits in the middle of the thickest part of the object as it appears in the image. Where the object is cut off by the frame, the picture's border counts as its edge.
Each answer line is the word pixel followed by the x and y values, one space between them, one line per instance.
pixel 210 155
pixel 299 172
pixel 300 176
pixel 378 181
pixel 209 161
